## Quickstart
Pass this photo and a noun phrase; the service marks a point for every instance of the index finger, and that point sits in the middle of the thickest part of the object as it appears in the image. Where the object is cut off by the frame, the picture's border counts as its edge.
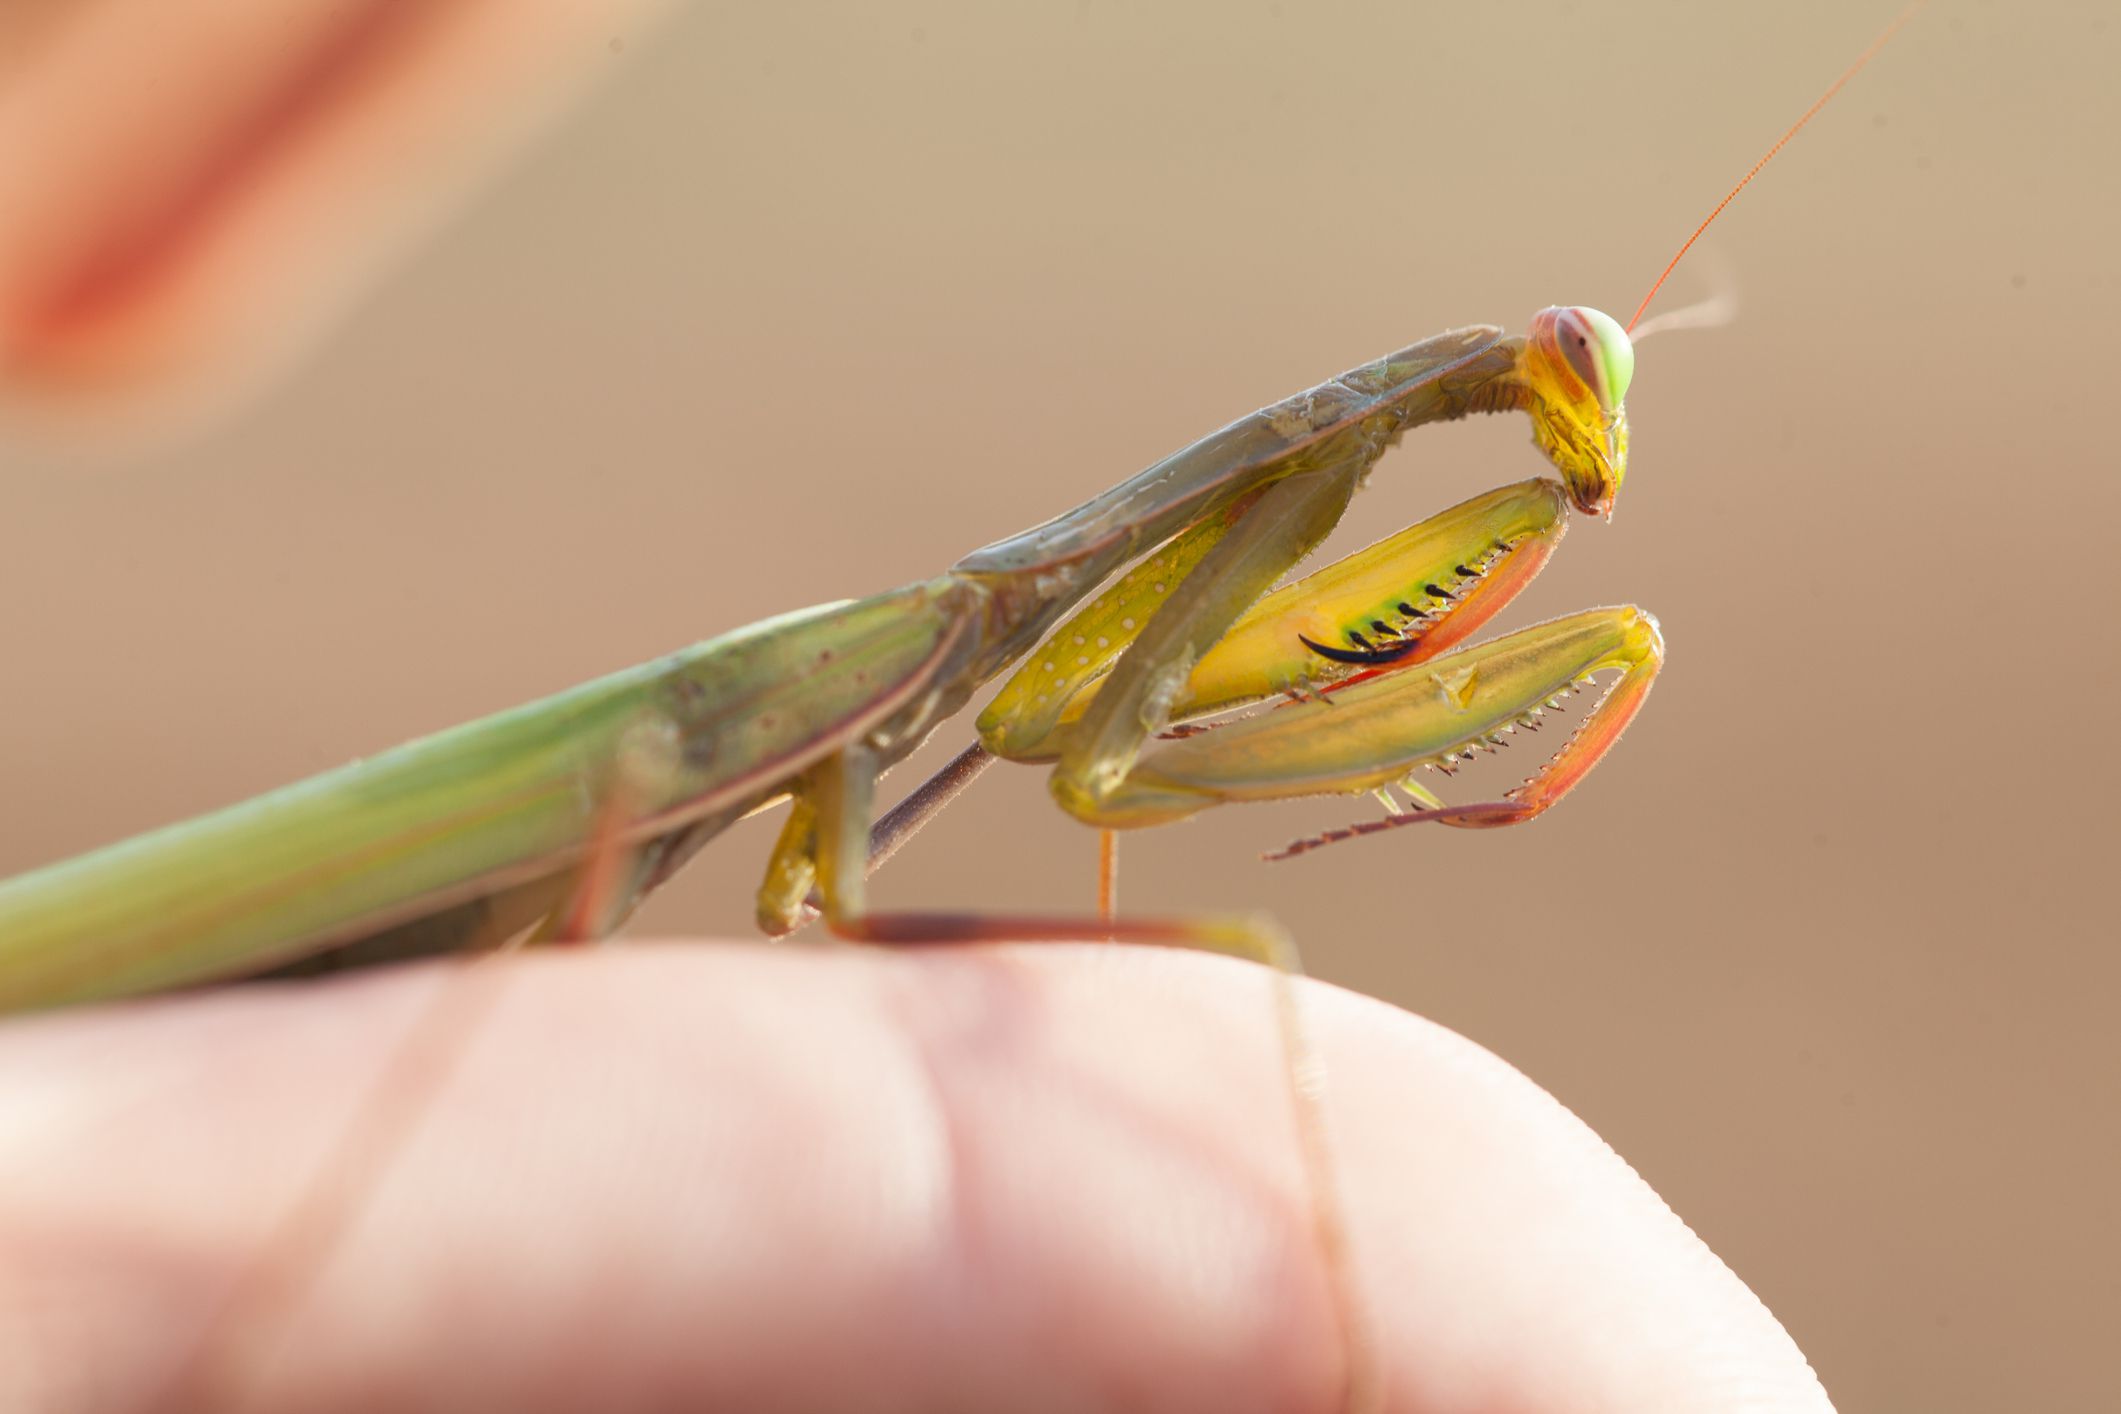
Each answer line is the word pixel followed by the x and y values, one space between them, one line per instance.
pixel 744 1177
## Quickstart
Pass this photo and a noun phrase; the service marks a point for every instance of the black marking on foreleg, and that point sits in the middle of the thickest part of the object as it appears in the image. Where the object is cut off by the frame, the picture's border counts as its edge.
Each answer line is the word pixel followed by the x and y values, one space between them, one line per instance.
pixel 1368 653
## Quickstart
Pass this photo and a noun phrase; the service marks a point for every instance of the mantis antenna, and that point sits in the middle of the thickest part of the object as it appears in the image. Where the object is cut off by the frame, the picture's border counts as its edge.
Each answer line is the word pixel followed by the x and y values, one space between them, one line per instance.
pixel 1810 113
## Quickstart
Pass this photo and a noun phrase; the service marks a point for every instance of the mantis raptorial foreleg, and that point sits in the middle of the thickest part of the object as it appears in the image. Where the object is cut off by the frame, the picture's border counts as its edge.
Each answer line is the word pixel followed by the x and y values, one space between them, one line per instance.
pixel 1256 549
pixel 1374 733
pixel 1367 650
pixel 1397 603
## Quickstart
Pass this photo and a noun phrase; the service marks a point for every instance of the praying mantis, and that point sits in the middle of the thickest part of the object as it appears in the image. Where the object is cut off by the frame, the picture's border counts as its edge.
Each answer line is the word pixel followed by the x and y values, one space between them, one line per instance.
pixel 561 815
pixel 556 818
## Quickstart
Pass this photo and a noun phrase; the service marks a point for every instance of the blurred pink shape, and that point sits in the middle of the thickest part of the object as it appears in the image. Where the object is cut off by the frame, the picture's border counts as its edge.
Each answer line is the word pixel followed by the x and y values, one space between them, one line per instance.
pixel 192 189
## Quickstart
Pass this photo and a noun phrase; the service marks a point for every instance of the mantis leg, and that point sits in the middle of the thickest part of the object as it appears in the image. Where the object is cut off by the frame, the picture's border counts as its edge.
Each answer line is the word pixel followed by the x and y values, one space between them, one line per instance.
pixel 1640 652
pixel 1144 687
pixel 1339 637
pixel 1372 651
pixel 1391 606
pixel 602 891
pixel 840 793
pixel 1378 732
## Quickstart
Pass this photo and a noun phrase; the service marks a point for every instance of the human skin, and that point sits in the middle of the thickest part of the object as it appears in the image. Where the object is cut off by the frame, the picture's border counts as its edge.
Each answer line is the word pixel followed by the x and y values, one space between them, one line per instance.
pixel 194 188
pixel 741 1177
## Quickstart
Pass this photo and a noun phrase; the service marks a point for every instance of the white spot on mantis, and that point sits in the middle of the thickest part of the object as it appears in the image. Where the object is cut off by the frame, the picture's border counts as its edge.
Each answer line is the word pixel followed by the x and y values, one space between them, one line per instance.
pixel 1103 642
pixel 1158 586
pixel 1080 640
pixel 1082 662
pixel 1126 623
pixel 1049 667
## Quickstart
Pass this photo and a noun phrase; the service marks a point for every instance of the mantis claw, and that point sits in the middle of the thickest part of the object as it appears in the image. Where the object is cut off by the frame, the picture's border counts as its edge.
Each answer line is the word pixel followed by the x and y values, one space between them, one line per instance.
pixel 1367 655
pixel 1483 815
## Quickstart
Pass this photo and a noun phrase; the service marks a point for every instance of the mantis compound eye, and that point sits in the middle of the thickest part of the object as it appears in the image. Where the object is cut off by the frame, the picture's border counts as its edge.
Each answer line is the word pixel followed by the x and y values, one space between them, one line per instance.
pixel 1598 351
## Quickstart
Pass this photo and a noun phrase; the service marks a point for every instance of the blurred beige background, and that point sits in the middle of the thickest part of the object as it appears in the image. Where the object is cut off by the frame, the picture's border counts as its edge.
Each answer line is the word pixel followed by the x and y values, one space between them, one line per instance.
pixel 810 301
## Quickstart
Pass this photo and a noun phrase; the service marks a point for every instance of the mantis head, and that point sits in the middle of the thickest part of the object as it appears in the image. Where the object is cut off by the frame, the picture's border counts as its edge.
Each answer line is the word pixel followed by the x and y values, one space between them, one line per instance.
pixel 1576 365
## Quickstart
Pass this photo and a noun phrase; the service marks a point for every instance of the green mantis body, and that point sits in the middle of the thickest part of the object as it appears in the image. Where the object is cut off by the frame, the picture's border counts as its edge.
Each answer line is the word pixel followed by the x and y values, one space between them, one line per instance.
pixel 469 837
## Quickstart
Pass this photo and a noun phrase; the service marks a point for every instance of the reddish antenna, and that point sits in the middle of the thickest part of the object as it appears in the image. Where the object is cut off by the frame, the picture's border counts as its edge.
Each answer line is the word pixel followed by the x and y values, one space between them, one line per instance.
pixel 1818 103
